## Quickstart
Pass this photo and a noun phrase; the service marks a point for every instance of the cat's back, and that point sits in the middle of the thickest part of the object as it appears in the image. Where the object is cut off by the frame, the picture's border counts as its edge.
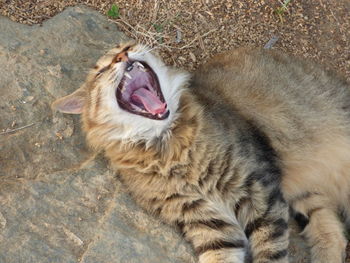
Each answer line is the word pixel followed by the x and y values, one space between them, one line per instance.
pixel 290 99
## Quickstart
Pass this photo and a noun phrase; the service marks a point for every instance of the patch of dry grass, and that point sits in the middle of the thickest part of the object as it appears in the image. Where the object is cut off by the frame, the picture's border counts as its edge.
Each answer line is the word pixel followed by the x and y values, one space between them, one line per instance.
pixel 188 32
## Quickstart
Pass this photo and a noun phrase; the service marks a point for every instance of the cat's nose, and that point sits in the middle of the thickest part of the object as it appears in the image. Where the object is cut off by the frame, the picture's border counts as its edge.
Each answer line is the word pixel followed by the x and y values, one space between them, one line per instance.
pixel 121 57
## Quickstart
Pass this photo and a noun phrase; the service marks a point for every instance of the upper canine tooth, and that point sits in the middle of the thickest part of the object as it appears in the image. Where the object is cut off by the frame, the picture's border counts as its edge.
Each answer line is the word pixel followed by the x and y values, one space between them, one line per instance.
pixel 139 64
pixel 143 69
pixel 127 75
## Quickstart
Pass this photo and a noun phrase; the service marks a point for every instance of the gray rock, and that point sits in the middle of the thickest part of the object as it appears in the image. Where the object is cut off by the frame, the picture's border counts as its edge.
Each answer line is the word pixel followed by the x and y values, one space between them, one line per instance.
pixel 57 202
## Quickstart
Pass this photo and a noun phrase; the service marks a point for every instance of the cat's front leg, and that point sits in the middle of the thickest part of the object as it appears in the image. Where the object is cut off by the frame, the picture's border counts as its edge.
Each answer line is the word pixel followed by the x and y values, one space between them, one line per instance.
pixel 268 233
pixel 217 240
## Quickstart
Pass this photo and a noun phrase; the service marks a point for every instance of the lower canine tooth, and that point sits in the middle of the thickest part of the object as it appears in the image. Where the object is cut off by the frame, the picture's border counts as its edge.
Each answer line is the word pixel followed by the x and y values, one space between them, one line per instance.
pixel 127 75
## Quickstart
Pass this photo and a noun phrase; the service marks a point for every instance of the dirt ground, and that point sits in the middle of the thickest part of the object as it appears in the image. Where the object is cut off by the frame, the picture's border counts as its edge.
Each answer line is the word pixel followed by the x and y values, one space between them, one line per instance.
pixel 187 33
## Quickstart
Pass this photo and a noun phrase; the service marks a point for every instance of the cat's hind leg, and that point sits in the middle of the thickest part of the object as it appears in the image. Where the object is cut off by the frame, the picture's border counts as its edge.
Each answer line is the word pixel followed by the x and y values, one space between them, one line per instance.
pixel 321 226
pixel 325 235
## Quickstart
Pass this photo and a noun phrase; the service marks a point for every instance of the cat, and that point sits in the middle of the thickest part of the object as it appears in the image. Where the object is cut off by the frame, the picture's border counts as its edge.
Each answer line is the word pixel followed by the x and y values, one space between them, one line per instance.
pixel 223 154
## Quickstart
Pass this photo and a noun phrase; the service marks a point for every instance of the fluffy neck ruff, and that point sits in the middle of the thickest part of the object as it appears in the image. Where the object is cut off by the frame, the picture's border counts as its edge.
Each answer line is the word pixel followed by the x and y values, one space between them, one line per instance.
pixel 163 152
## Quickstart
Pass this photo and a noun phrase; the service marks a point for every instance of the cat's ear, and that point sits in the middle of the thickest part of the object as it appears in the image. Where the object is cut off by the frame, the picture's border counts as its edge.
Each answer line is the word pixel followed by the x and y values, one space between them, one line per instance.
pixel 72 103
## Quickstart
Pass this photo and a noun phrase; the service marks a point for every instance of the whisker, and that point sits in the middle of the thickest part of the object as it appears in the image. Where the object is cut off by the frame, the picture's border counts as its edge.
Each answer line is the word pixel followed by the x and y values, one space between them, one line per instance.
pixel 144 50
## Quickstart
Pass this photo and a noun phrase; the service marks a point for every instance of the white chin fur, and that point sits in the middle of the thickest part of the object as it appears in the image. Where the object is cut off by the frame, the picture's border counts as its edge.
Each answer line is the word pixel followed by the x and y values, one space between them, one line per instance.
pixel 136 127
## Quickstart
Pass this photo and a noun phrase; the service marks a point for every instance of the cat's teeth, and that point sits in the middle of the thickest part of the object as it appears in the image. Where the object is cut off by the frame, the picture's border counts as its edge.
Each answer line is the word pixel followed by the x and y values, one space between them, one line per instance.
pixel 139 65
pixel 141 110
pixel 127 75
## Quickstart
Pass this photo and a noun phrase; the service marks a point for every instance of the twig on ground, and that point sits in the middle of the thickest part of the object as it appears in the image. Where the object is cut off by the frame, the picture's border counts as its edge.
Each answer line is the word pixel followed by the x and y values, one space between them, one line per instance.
pixel 17 129
pixel 154 14
pixel 152 38
pixel 196 38
pixel 271 42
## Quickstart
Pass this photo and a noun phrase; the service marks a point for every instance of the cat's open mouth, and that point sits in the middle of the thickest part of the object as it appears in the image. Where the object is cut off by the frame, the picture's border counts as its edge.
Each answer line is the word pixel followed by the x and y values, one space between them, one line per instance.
pixel 139 92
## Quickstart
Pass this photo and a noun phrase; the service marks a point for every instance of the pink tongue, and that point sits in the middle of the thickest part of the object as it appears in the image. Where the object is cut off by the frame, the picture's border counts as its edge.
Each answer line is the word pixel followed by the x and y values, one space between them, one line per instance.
pixel 150 101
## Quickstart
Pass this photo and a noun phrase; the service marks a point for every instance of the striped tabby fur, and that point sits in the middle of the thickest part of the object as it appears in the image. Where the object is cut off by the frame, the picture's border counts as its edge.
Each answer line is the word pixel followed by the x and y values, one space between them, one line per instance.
pixel 214 167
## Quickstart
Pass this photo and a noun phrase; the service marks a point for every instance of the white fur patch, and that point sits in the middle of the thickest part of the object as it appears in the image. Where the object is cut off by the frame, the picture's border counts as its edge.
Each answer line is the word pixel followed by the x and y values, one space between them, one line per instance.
pixel 235 255
pixel 136 127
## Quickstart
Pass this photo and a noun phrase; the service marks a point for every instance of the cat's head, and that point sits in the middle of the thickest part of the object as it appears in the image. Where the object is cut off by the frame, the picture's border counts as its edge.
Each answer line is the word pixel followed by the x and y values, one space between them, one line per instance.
pixel 129 95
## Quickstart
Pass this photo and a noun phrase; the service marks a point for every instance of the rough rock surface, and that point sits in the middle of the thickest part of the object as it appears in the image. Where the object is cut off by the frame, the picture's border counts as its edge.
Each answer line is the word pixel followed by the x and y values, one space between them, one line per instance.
pixel 57 202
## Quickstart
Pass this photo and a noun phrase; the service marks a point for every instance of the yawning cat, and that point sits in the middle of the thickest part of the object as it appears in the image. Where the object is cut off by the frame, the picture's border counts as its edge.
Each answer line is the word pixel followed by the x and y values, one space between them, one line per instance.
pixel 213 153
